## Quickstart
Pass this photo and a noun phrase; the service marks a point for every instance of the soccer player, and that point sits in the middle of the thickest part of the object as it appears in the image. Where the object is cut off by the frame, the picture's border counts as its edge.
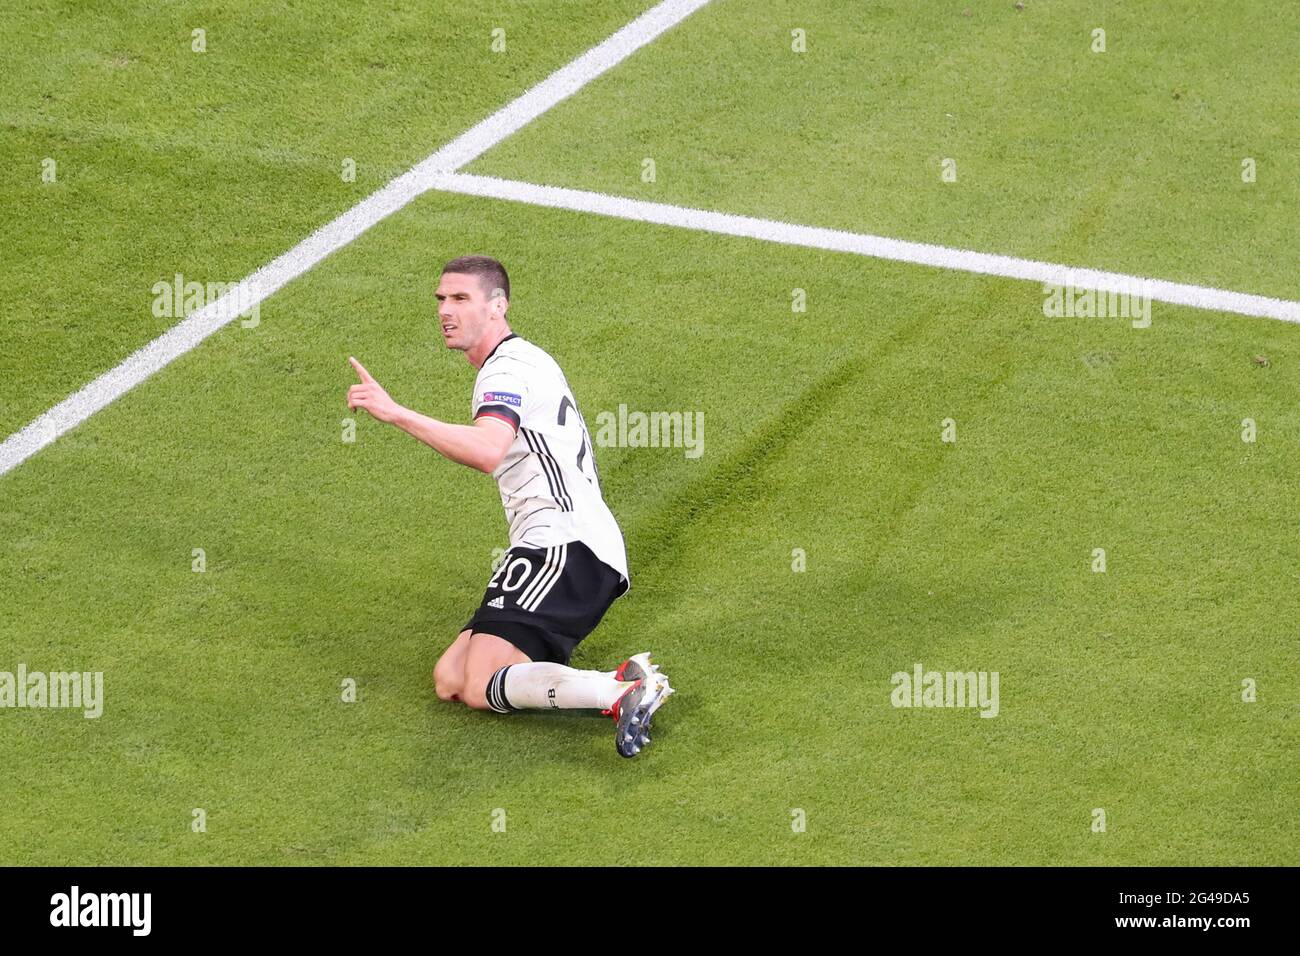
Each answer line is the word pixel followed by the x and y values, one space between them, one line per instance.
pixel 566 562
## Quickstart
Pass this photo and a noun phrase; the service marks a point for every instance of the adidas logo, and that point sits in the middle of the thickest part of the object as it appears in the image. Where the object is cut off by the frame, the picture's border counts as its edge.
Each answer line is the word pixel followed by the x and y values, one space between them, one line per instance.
pixel 498 602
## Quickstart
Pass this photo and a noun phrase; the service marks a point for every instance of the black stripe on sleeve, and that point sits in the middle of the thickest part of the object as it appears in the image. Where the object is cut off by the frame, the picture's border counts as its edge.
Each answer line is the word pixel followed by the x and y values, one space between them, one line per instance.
pixel 504 412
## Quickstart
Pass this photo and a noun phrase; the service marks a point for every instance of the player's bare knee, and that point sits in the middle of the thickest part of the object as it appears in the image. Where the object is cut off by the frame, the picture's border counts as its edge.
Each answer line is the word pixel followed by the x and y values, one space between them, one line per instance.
pixel 445 679
pixel 449 671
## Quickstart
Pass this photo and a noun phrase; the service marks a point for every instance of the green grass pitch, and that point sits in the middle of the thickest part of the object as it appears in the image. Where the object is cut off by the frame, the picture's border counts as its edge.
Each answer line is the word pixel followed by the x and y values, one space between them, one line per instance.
pixel 329 560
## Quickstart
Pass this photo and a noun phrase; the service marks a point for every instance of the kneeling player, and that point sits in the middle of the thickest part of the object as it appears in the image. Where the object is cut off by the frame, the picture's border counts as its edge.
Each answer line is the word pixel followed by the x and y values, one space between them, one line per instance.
pixel 566 563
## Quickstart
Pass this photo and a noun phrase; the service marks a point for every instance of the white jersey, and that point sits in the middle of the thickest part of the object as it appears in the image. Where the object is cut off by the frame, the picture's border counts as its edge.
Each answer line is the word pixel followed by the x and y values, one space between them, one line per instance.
pixel 548 481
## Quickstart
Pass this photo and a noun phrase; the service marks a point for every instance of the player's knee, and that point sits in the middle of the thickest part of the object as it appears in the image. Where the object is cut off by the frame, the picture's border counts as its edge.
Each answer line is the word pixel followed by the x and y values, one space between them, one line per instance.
pixel 446 683
pixel 449 671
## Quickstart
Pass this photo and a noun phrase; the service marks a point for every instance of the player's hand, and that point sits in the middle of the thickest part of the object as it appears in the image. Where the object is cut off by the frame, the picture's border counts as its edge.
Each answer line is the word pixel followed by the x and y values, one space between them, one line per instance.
pixel 371 396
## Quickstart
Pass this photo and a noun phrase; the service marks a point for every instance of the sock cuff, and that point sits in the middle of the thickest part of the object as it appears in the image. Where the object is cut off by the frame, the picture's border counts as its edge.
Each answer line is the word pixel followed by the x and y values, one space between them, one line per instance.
pixel 496 692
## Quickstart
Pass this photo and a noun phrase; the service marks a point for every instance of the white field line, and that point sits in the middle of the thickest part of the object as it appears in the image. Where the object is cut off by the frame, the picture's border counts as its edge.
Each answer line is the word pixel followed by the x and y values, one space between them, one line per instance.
pixel 920 253
pixel 438 172
pixel 201 323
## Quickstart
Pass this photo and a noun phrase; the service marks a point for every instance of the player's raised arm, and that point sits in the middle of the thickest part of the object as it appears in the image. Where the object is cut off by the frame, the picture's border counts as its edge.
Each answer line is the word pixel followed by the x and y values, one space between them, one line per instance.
pixel 481 446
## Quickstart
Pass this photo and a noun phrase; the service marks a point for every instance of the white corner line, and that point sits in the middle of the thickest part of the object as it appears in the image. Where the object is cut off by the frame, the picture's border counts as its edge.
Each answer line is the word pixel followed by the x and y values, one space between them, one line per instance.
pixel 879 247
pixel 263 283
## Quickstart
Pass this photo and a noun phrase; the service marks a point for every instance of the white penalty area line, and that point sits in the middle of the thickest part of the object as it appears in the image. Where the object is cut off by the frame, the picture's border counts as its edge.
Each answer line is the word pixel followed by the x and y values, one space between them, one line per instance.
pixel 879 247
pixel 263 283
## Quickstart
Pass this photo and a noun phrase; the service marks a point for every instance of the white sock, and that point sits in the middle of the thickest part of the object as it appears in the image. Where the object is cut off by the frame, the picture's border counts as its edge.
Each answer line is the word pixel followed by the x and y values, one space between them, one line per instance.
pixel 542 685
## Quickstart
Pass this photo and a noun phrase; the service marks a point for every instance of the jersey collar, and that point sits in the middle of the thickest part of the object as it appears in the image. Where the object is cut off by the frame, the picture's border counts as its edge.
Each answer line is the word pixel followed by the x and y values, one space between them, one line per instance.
pixel 512 335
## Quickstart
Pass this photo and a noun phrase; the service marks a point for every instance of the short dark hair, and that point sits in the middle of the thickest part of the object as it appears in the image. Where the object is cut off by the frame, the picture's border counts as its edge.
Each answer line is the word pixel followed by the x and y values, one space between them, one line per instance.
pixel 491 274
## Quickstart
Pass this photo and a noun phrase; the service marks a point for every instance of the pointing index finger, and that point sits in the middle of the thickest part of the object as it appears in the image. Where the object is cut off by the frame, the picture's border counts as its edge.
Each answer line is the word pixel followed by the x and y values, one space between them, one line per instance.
pixel 361 370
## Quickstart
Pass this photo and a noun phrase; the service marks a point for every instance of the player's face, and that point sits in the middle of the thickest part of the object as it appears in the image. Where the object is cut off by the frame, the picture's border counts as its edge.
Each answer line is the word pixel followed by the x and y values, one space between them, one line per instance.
pixel 465 311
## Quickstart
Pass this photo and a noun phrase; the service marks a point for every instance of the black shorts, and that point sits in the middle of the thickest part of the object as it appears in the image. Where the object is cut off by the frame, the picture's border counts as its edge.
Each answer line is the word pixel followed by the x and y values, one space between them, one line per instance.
pixel 544 601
